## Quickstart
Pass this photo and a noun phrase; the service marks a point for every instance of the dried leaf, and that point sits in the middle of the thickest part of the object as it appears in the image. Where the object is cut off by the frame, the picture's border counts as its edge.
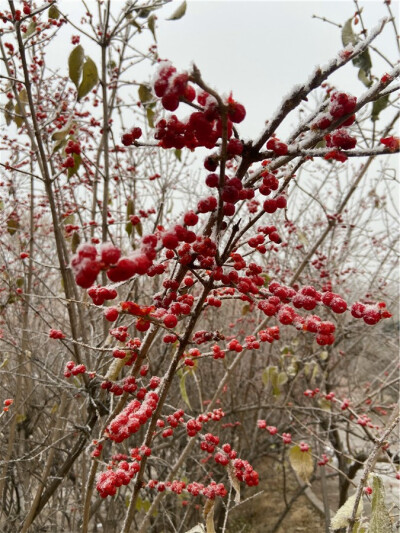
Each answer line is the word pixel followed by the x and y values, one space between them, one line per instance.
pixel 208 513
pixel 341 518
pixel 151 21
pixel 348 36
pixel 178 14
pixel 302 463
pixel 9 112
pixel 234 482
pixel 197 529
pixel 12 225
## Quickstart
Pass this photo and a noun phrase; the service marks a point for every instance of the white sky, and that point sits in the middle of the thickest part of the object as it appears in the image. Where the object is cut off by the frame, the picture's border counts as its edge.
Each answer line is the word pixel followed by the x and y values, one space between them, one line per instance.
pixel 257 49
pixel 260 49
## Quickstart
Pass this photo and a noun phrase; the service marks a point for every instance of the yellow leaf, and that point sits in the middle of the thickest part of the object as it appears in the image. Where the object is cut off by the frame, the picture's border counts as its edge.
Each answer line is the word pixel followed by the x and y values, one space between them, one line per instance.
pixel 302 463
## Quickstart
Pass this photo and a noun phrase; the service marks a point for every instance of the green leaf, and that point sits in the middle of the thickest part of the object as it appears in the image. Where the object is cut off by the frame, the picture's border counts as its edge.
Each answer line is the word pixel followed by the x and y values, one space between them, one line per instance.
pixel 178 154
pixel 139 229
pixel 179 12
pixel 363 61
pixel 380 518
pixel 73 170
pixel 151 21
pixel 53 12
pixel 30 30
pixel 145 94
pixel 378 106
pixel 129 228
pixel 325 404
pixel 130 208
pixel 143 13
pixel 12 225
pixel 293 369
pixel 60 135
pixel 324 355
pixel 18 118
pixel 182 387
pixel 23 96
pixel 348 36
pixel 268 374
pixel 142 505
pixel 150 117
pixel 136 24
pixel 341 518
pixel 282 378
pixel 362 76
pixel 90 78
pixel 75 63
pixel 59 144
pixel 302 462
pixel 9 112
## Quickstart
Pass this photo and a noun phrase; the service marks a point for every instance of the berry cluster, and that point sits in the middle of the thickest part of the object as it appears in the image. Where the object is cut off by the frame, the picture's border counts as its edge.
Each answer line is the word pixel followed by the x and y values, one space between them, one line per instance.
pixel 100 294
pixel 340 139
pixel 72 369
pixel 109 481
pixel 73 147
pixel 370 313
pixel 87 262
pixel 277 146
pixel 129 138
pixel 202 128
pixel 132 418
pixel 56 334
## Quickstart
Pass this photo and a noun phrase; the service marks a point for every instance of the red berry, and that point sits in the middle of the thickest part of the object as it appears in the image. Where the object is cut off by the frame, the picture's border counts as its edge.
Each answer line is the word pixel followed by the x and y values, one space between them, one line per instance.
pixel 190 218
pixel 170 321
pixel 270 205
pixel 111 314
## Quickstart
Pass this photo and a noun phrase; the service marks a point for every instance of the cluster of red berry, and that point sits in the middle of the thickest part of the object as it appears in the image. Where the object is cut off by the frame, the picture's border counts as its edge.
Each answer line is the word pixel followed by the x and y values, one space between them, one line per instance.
pixel 72 369
pixel 132 418
pixel 87 262
pixel 56 334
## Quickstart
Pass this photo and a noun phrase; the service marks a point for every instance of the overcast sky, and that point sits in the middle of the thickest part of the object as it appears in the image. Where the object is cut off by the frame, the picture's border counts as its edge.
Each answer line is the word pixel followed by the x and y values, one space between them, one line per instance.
pixel 260 49
pixel 257 49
